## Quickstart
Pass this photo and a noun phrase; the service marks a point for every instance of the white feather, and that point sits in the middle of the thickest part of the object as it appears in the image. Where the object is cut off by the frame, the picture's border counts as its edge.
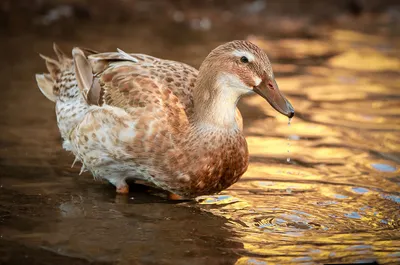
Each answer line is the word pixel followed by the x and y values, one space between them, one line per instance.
pixel 240 53
pixel 127 56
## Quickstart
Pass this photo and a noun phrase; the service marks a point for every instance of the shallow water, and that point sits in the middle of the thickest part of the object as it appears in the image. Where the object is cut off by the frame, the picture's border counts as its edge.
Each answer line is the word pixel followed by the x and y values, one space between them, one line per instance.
pixel 337 199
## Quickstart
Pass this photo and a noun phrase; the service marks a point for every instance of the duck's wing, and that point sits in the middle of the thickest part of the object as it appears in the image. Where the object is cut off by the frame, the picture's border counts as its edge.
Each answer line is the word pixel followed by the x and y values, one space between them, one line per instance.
pixel 141 85
pixel 133 80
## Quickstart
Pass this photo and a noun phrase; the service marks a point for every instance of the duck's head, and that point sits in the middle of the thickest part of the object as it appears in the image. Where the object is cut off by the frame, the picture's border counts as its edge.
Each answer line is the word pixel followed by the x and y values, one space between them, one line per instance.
pixel 240 67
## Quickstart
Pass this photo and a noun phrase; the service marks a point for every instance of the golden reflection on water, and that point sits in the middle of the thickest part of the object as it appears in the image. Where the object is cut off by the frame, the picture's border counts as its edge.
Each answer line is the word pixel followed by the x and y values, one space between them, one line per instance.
pixel 337 199
pixel 365 60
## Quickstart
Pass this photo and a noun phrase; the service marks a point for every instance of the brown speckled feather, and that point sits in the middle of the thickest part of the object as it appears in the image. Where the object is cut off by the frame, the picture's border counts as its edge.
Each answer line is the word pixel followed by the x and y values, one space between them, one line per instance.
pixel 128 84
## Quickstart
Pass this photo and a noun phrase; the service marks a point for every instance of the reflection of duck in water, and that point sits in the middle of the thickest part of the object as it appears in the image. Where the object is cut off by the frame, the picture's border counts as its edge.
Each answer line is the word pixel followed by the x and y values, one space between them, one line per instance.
pixel 159 121
pixel 139 231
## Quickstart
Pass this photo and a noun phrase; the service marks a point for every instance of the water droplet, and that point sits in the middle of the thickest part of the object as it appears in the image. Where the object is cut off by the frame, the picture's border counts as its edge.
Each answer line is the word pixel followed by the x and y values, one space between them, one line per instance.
pixel 288 139
pixel 288 142
pixel 294 137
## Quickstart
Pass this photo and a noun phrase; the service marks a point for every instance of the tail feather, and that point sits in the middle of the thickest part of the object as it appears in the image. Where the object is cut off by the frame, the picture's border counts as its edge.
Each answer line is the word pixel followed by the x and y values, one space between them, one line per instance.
pixel 53 66
pixel 63 59
pixel 47 82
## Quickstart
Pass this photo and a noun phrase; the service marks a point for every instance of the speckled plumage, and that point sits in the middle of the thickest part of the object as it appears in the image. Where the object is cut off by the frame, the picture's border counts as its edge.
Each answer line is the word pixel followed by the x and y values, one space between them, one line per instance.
pixel 140 117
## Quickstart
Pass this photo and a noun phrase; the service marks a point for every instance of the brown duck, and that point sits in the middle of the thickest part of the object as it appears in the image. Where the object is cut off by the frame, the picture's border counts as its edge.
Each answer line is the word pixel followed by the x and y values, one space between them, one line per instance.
pixel 162 122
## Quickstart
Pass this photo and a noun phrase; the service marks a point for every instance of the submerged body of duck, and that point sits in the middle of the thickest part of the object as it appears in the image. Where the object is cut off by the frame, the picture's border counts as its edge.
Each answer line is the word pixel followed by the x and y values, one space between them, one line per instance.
pixel 159 121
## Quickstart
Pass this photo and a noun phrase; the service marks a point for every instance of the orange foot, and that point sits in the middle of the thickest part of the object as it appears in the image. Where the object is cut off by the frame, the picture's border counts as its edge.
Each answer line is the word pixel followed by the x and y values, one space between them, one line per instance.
pixel 174 197
pixel 124 189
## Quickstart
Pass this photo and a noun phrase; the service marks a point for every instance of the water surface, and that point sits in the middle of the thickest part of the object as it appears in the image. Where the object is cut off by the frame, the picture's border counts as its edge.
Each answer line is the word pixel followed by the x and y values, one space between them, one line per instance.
pixel 337 199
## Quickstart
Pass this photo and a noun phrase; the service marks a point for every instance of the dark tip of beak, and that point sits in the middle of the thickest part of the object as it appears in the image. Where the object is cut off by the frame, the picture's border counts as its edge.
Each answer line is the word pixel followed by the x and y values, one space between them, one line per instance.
pixel 291 114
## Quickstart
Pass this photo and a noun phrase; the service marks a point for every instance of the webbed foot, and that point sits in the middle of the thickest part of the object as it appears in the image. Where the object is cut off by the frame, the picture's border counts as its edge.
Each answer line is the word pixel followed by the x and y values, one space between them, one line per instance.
pixel 122 189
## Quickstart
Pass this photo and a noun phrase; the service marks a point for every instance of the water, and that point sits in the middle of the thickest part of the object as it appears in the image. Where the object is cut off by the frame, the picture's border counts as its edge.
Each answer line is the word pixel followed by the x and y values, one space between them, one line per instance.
pixel 336 201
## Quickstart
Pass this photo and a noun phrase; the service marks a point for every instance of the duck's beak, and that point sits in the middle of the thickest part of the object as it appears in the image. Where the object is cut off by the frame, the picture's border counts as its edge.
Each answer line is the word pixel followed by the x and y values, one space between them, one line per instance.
pixel 269 90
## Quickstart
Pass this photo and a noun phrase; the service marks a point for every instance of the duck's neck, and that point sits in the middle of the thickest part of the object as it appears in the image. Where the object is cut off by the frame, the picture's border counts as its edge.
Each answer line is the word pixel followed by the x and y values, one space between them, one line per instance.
pixel 215 102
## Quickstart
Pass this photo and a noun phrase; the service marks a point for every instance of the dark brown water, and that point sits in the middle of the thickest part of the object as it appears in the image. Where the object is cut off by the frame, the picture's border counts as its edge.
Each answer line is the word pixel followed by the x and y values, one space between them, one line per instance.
pixel 324 189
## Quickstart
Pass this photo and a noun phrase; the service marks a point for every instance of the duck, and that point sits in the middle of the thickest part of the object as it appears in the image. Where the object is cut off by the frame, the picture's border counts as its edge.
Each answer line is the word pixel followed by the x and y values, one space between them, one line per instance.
pixel 156 121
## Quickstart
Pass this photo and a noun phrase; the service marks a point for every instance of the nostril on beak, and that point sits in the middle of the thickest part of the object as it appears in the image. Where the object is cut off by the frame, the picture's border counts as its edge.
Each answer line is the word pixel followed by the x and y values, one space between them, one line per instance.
pixel 270 86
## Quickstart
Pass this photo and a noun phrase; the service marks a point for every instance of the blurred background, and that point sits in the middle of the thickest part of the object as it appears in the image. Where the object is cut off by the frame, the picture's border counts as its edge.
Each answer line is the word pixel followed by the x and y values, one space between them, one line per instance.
pixel 323 190
pixel 49 17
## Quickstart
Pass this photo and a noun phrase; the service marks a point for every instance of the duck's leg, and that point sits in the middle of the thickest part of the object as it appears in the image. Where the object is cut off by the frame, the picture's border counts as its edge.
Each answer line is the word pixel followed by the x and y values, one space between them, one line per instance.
pixel 120 185
pixel 174 197
pixel 123 188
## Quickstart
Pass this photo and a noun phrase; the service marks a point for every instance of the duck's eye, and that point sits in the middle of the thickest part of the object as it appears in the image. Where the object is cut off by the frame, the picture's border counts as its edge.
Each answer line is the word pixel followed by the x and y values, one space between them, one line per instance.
pixel 244 59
